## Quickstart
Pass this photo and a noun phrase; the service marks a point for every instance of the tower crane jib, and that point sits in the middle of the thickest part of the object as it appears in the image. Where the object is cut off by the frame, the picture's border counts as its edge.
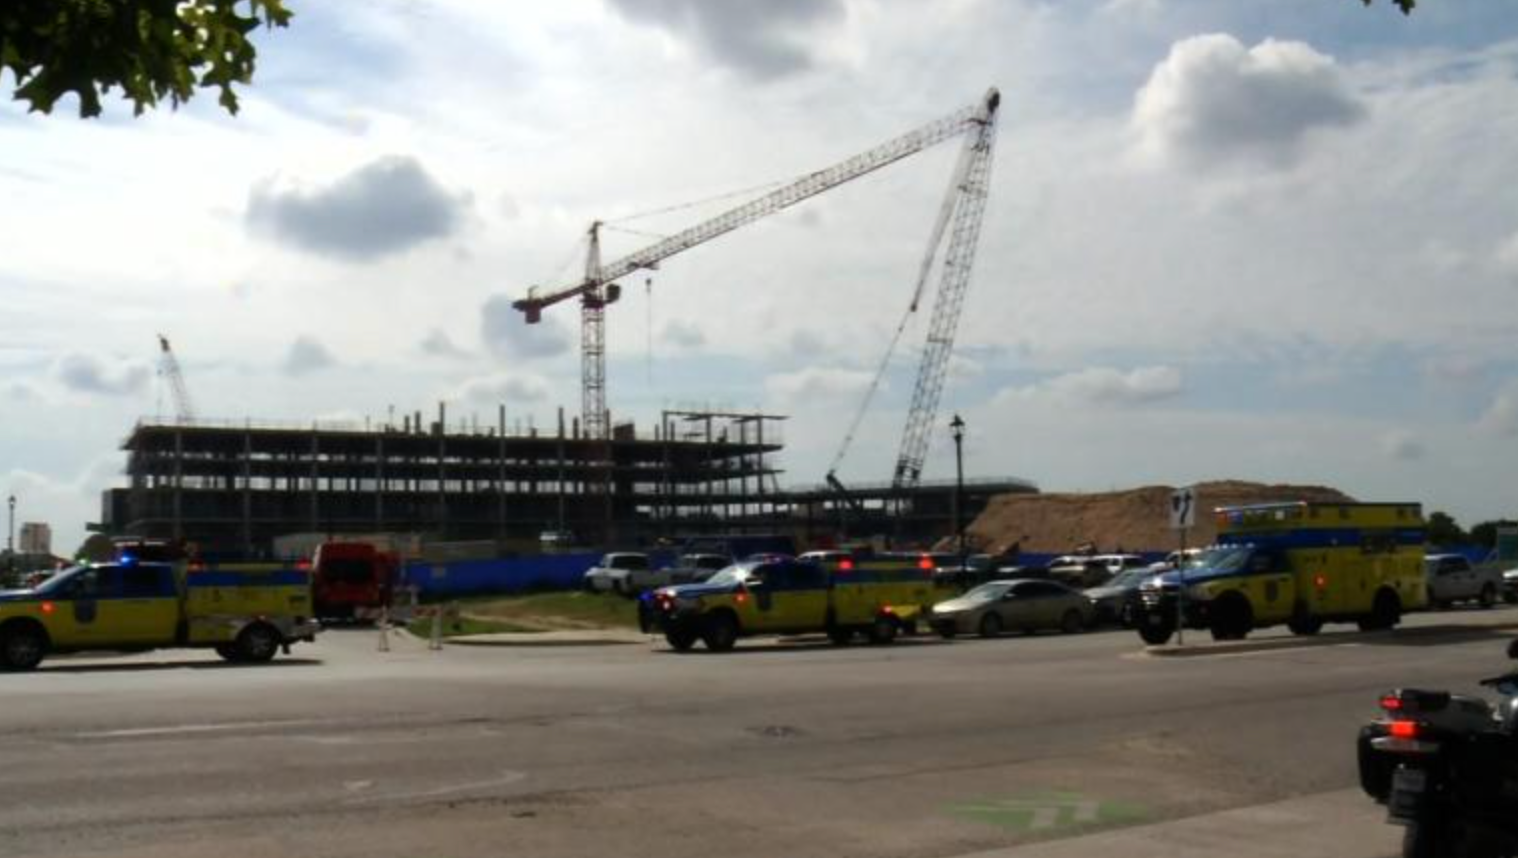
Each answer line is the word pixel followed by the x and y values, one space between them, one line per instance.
pixel 598 287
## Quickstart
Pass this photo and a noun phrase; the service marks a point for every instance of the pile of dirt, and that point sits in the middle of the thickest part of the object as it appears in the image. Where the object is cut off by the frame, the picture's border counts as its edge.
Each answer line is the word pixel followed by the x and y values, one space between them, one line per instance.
pixel 1133 520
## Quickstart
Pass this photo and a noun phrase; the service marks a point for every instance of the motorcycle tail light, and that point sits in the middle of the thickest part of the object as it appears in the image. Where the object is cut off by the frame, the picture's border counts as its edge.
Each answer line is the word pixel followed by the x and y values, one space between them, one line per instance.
pixel 1391 703
pixel 1403 729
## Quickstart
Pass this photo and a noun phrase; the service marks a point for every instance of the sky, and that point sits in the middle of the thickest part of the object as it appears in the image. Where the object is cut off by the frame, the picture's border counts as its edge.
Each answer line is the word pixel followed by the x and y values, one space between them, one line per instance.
pixel 1274 242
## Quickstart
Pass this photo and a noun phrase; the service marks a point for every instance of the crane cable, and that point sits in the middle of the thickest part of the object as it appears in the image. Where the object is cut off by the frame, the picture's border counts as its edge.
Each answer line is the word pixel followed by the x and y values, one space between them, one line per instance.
pixel 869 395
pixel 767 186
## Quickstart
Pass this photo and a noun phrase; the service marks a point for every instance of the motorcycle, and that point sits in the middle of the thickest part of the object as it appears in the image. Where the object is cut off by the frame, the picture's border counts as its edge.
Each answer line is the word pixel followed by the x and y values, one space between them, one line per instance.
pixel 1446 768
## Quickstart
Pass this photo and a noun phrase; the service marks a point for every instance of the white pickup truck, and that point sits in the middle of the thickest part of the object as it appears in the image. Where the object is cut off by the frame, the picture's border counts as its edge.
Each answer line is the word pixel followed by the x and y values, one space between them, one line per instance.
pixel 1453 578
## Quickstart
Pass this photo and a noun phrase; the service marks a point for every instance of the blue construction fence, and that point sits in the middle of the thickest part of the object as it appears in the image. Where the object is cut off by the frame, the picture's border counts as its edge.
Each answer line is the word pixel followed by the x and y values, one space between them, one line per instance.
pixel 509 575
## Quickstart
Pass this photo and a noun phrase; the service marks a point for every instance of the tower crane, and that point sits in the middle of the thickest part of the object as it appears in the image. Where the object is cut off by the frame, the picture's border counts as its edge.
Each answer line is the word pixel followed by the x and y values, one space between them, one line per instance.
pixel 168 368
pixel 959 219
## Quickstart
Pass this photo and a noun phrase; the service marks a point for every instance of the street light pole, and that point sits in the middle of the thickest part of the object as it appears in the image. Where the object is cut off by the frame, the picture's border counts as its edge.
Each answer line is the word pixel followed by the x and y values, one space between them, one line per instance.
pixel 10 538
pixel 957 429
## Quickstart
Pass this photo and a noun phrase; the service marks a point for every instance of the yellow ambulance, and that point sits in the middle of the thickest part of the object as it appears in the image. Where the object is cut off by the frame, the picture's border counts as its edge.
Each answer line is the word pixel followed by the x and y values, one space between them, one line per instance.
pixel 1299 564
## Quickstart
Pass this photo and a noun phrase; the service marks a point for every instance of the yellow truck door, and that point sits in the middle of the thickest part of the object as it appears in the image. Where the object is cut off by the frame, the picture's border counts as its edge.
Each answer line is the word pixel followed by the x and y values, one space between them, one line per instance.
pixel 133 605
pixel 786 596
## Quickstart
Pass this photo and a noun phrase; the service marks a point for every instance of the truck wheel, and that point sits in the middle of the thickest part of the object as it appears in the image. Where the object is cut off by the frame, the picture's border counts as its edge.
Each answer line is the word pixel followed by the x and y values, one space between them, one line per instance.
pixel 1155 629
pixel 721 632
pixel 883 630
pixel 22 648
pixel 1488 596
pixel 681 640
pixel 1385 613
pixel 257 643
pixel 229 652
pixel 1303 623
pixel 1232 618
pixel 990 626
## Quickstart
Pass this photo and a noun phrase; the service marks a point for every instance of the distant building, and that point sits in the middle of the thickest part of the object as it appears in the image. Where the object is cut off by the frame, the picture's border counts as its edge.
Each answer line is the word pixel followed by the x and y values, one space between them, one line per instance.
pixel 36 538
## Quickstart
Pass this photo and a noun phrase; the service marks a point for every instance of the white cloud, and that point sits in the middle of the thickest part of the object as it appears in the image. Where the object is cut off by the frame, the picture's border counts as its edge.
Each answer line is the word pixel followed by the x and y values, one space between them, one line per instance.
pixel 1506 255
pixel 1402 445
pixel 437 343
pixel 1502 417
pixel 1214 101
pixel 818 386
pixel 769 39
pixel 507 334
pixel 84 373
pixel 307 355
pixel 503 388
pixel 682 334
pixel 1106 386
pixel 382 208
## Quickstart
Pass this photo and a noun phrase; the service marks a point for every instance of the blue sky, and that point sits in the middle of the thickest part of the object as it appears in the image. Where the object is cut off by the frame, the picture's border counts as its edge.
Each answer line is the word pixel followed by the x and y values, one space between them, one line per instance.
pixel 1225 239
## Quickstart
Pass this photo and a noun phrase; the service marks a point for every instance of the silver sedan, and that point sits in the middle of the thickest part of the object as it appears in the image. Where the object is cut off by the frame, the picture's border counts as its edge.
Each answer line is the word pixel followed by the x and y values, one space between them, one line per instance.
pixel 1020 604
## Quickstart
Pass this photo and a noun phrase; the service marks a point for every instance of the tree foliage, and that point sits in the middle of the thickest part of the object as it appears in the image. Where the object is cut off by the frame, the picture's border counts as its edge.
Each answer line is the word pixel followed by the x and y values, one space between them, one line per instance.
pixel 1444 530
pixel 150 49
pixel 1405 5
pixel 1485 533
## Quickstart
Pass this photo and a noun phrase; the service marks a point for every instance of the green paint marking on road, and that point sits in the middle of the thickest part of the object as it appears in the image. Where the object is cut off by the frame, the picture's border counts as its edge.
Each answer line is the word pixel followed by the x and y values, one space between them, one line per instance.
pixel 1042 812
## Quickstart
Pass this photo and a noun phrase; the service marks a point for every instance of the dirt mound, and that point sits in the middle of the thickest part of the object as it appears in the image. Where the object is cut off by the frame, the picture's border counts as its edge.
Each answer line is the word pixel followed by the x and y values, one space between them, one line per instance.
pixel 1132 520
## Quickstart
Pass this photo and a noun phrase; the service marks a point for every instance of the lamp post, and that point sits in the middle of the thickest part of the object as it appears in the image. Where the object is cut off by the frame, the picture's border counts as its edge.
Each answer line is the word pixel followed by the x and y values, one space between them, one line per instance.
pixel 10 538
pixel 957 429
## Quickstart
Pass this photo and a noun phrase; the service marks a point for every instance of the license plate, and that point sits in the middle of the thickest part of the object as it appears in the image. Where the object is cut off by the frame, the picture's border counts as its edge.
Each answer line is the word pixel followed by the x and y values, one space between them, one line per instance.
pixel 1410 780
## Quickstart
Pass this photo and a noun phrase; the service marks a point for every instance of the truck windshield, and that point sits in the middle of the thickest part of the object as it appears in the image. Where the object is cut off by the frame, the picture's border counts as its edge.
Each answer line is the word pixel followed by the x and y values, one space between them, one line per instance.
pixel 735 574
pixel 1230 558
pixel 59 580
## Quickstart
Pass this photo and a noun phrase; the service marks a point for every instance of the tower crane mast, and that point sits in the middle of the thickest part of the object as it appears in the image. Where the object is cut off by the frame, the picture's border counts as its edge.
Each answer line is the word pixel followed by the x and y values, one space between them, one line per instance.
pixel 598 287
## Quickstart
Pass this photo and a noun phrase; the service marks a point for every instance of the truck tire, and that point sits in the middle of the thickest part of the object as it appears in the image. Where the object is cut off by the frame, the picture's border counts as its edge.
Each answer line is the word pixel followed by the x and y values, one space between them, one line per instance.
pixel 229 652
pixel 1385 613
pixel 1303 623
pixel 882 631
pixel 1232 618
pixel 1155 628
pixel 681 640
pixel 1488 597
pixel 721 632
pixel 22 646
pixel 257 643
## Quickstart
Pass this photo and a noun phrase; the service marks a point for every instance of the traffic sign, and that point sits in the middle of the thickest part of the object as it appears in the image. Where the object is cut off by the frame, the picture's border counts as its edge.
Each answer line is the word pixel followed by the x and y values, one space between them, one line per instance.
pixel 1183 508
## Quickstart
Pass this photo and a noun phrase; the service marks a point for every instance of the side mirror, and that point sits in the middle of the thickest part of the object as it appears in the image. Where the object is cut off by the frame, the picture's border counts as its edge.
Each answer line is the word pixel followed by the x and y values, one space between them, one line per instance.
pixel 1512 649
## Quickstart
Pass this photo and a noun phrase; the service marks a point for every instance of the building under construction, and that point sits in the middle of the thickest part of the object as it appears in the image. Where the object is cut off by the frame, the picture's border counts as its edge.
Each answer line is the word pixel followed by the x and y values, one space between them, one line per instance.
pixel 233 488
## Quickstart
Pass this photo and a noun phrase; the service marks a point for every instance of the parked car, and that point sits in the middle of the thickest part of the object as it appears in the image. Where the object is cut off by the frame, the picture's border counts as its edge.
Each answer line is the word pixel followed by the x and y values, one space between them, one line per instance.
pixel 1452 578
pixel 1080 570
pixel 687 569
pixel 1173 559
pixel 1118 601
pixel 1023 604
pixel 611 573
pixel 1510 586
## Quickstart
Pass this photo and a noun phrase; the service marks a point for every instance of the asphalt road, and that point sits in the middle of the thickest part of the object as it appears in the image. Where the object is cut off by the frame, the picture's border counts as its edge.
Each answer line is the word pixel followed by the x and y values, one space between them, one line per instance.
pixel 1046 745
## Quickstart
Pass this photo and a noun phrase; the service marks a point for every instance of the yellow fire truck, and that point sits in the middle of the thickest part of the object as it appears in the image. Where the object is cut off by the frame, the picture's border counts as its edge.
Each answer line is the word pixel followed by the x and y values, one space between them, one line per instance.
pixel 1301 564
pixel 245 612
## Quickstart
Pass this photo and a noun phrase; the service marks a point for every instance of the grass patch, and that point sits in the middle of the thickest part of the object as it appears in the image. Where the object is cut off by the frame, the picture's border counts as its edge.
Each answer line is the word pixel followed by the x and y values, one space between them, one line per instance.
pixel 540 612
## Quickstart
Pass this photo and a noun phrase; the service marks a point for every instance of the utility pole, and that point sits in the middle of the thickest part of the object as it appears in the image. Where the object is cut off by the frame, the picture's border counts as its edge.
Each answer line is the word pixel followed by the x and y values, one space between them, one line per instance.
pixel 10 539
pixel 957 429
